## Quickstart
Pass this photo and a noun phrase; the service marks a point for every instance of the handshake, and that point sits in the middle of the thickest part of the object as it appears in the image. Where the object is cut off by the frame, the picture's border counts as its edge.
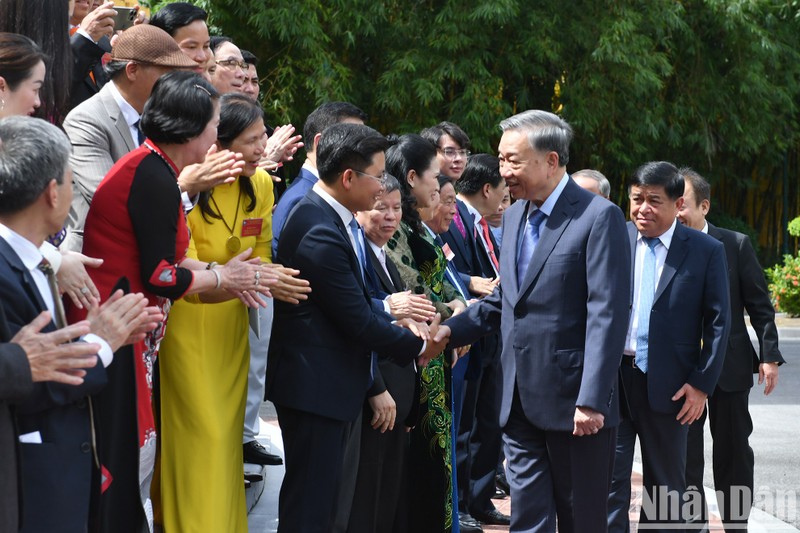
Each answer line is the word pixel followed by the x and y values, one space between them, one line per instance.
pixel 436 337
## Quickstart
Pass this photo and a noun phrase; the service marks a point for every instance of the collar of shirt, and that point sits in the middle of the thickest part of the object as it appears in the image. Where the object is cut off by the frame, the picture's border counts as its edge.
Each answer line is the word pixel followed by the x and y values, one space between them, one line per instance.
pixel 130 115
pixel 705 227
pixel 665 238
pixel 377 250
pixel 311 168
pixel 549 204
pixel 25 249
pixel 472 211
pixel 341 210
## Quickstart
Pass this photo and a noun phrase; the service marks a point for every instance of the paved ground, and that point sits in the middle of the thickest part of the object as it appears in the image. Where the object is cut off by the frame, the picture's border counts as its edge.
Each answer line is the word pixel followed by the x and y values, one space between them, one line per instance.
pixel 775 441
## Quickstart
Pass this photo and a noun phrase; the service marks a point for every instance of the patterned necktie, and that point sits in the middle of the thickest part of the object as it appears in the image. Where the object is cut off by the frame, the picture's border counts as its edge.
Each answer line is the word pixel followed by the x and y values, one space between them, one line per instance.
pixel 460 224
pixel 58 305
pixel 647 291
pixel 489 246
pixel 529 240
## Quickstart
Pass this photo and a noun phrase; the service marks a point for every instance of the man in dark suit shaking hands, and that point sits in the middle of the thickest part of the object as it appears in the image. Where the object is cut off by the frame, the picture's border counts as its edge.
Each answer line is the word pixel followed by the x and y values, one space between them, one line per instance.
pixel 731 424
pixel 562 310
pixel 320 358
pixel 674 348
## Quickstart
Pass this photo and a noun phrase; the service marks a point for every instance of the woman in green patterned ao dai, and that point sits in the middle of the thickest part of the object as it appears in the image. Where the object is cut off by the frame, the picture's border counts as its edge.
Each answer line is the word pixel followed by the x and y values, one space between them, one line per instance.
pixel 422 266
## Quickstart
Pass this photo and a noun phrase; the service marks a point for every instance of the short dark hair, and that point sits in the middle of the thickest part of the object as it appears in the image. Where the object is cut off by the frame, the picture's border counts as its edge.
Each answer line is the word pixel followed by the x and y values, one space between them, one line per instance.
pixel 18 56
pixel 179 108
pixel 444 179
pixel 409 152
pixel 346 146
pixel 702 190
pixel 175 16
pixel 480 170
pixel 326 115
pixel 33 152
pixel 391 184
pixel 659 174
pixel 217 40
pixel 435 134
pixel 249 57
pixel 115 67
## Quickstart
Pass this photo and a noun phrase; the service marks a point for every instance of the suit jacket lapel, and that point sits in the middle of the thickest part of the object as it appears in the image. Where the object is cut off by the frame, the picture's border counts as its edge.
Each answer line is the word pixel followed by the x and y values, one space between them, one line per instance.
pixel 508 254
pixel 116 116
pixel 633 234
pixel 386 283
pixel 555 225
pixel 675 256
pixel 26 280
pixel 337 221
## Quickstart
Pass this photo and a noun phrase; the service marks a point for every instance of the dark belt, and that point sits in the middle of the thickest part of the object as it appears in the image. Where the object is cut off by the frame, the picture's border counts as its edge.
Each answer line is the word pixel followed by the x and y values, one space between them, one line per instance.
pixel 629 360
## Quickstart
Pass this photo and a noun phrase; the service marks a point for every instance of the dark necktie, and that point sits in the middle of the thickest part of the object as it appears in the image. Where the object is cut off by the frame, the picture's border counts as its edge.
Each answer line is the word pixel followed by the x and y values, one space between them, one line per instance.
pixel 60 318
pixel 355 230
pixel 530 238
pixel 647 291
pixel 139 134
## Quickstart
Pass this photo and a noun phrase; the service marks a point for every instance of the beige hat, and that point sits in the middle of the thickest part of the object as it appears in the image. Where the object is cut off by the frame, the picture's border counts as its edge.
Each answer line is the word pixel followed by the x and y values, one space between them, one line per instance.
pixel 150 45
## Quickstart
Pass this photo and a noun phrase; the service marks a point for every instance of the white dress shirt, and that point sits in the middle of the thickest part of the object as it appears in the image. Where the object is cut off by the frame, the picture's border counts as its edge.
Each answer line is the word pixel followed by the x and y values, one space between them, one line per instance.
pixel 661 249
pixel 30 256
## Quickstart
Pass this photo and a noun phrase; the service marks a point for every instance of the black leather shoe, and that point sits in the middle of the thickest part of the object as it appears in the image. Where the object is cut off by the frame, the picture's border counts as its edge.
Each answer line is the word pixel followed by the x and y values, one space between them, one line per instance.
pixel 255 453
pixel 493 517
pixel 499 494
pixel 247 484
pixel 502 483
pixel 467 524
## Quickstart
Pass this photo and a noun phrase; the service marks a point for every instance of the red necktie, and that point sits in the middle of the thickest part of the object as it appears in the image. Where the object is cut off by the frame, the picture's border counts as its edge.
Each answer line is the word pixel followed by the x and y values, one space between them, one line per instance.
pixel 489 245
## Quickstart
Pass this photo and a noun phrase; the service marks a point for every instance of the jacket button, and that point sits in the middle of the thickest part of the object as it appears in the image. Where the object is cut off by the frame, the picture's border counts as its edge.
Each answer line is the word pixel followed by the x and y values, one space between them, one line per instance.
pixel 81 404
pixel 86 447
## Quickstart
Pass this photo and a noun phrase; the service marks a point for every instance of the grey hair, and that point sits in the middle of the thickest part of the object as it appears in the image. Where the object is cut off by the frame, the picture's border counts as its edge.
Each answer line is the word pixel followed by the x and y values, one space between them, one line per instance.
pixel 596 175
pixel 546 132
pixel 33 152
pixel 390 184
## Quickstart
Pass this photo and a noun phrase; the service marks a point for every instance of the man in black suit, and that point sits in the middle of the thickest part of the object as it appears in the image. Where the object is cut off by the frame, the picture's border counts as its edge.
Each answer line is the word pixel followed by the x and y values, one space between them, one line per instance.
pixel 90 41
pixel 53 420
pixel 674 350
pixel 27 358
pixel 380 501
pixel 320 358
pixel 731 424
pixel 480 191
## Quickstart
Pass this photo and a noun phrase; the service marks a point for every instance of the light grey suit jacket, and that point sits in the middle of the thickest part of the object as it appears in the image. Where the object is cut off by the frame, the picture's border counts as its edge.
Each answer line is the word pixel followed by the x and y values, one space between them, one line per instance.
pixel 564 325
pixel 100 137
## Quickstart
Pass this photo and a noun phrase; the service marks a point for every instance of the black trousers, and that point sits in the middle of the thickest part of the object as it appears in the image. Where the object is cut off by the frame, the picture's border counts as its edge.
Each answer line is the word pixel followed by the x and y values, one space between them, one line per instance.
pixel 733 459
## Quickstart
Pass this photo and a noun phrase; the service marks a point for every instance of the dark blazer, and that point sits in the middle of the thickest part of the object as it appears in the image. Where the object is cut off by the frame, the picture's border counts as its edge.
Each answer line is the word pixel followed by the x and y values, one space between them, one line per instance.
pixel 320 351
pixel 465 257
pixel 563 328
pixel 15 384
pixel 56 474
pixel 689 322
pixel 87 57
pixel 748 291
pixel 296 191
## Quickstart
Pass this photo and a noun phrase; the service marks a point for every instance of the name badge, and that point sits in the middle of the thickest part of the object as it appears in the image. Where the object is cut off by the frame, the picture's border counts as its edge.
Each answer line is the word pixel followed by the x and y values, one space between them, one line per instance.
pixel 448 253
pixel 251 227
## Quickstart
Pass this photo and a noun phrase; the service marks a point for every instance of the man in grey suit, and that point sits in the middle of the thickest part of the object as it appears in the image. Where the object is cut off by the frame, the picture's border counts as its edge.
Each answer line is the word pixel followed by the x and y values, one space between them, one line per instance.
pixel 562 310
pixel 731 424
pixel 105 127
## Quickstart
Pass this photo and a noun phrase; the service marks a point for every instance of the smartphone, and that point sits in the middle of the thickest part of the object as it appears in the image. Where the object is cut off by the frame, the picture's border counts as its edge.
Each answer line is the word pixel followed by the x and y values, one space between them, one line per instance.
pixel 124 17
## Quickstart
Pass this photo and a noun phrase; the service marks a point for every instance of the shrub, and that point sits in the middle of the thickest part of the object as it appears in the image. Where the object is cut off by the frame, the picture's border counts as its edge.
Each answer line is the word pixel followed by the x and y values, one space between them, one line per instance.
pixel 784 285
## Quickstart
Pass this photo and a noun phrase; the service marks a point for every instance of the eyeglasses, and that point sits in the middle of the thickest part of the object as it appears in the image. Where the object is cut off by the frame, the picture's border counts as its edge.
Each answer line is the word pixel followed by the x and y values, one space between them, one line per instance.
pixel 451 153
pixel 380 178
pixel 511 163
pixel 231 63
